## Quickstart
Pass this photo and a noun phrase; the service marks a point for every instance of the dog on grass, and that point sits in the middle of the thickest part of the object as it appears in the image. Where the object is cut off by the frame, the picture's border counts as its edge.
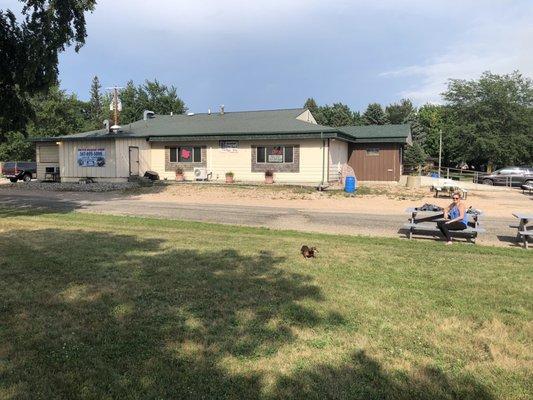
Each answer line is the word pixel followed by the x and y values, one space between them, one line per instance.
pixel 308 252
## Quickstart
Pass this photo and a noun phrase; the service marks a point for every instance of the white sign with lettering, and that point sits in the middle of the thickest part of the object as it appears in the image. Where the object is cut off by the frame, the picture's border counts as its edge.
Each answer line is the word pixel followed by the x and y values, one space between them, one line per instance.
pixel 91 157
pixel 230 146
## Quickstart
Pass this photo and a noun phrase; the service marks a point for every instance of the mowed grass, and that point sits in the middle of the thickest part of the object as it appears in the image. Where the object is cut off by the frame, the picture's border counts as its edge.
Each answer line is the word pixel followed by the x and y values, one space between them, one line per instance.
pixel 103 307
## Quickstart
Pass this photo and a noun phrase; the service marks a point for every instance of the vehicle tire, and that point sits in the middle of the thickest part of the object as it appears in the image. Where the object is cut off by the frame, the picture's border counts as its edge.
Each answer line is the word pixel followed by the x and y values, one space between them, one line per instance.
pixel 13 179
pixel 488 182
pixel 26 178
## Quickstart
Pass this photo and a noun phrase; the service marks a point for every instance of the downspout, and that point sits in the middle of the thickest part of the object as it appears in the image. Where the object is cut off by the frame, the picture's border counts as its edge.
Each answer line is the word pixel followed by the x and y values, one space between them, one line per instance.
pixel 323 158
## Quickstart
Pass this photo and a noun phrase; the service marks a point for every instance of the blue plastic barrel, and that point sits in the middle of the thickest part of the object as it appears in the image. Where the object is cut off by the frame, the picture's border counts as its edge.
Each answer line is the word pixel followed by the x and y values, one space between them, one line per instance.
pixel 350 184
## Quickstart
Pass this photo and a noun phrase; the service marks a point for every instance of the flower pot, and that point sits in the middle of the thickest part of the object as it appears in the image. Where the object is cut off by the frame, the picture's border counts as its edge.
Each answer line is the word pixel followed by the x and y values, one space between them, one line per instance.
pixel 269 180
pixel 229 179
pixel 180 177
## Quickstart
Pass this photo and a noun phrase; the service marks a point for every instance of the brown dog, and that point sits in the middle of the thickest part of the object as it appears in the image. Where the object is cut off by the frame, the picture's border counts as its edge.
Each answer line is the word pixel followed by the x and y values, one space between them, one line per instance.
pixel 308 252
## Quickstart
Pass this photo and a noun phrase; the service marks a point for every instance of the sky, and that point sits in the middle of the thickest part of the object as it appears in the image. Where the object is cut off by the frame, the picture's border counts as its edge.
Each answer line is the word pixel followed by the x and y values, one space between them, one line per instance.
pixel 251 55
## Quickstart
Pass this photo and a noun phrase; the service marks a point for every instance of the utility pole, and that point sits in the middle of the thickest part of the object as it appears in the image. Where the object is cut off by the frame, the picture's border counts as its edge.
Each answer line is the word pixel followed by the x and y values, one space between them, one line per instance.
pixel 440 149
pixel 115 106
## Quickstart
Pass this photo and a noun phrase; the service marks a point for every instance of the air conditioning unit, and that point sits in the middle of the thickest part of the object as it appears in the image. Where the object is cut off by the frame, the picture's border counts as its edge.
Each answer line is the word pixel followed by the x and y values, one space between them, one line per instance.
pixel 200 174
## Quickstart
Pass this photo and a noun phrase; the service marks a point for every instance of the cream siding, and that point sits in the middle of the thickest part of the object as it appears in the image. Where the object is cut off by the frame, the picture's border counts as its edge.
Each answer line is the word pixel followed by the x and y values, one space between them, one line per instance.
pixel 47 155
pixel 307 117
pixel 123 156
pixel 68 156
pixel 240 162
pixel 338 155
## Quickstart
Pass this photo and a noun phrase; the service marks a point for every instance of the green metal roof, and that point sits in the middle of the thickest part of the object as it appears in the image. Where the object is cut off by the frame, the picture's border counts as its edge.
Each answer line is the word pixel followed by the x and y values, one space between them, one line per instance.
pixel 242 125
pixel 379 133
pixel 279 122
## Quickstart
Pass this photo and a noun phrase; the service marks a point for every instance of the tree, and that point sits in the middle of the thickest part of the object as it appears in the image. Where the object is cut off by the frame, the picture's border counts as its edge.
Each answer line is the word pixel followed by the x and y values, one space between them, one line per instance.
pixel 399 113
pixel 29 50
pixel 414 155
pixel 374 115
pixel 430 122
pixel 95 104
pixel 57 114
pixel 491 120
pixel 16 147
pixel 310 104
pixel 153 96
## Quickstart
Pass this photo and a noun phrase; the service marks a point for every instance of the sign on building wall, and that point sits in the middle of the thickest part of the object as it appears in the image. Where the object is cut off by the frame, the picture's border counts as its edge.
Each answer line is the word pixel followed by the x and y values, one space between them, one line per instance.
pixel 91 157
pixel 230 146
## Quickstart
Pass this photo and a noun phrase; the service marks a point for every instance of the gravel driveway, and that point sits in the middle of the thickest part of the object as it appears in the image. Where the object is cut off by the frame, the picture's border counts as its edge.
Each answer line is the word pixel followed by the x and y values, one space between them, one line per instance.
pixel 295 218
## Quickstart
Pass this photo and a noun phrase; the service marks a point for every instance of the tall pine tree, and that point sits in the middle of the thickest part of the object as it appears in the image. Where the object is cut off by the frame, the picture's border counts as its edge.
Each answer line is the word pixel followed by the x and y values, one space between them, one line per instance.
pixel 95 104
pixel 374 115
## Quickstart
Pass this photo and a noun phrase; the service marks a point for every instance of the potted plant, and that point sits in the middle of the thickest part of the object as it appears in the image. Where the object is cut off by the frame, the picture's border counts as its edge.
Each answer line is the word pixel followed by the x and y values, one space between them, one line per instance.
pixel 269 176
pixel 179 174
pixel 229 177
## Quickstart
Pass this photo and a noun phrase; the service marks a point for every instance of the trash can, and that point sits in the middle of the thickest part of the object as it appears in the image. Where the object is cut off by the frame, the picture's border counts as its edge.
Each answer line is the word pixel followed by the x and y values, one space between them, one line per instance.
pixel 350 184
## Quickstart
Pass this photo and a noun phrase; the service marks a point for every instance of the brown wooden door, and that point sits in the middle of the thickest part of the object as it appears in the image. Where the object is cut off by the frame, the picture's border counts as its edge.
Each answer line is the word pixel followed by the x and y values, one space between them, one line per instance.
pixel 375 161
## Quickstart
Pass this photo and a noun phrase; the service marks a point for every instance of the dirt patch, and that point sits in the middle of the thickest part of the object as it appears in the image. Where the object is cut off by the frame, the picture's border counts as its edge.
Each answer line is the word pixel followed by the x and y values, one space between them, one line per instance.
pixel 387 200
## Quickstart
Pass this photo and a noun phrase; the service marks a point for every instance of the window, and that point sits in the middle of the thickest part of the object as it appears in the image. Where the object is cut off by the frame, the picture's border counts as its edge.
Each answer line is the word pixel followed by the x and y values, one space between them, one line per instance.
pixel 275 154
pixel 186 154
pixel 372 151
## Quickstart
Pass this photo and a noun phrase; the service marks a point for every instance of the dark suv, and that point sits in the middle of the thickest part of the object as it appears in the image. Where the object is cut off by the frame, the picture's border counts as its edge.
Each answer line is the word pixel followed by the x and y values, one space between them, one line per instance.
pixel 508 176
pixel 19 170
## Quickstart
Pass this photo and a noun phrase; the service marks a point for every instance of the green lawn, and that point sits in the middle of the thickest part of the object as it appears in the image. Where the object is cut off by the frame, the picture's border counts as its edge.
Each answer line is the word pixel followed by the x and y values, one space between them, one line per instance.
pixel 102 307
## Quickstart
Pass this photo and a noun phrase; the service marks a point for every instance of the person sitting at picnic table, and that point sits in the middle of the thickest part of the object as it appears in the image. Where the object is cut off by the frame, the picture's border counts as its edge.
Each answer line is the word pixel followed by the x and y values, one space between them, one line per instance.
pixel 455 216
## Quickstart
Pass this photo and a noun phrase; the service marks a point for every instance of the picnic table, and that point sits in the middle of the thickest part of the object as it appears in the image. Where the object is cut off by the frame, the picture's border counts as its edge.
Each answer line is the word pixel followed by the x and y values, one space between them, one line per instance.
pixel 426 223
pixel 524 232
pixel 449 186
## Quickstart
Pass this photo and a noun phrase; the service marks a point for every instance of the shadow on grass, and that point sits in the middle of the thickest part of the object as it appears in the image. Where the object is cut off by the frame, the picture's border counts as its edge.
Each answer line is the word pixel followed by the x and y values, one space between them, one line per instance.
pixel 97 315
pixel 364 378
pixel 14 206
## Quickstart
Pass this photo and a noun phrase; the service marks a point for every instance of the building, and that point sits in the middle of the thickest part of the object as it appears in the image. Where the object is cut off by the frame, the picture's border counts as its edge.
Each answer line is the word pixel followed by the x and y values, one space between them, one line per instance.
pixel 288 142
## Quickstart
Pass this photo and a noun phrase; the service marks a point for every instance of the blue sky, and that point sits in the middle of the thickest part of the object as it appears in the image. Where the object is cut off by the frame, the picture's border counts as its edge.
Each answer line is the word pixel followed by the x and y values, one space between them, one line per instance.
pixel 261 55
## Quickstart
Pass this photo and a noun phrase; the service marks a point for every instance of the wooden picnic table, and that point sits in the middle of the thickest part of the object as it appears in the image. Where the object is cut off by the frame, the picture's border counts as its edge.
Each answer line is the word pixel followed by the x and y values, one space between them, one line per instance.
pixel 523 226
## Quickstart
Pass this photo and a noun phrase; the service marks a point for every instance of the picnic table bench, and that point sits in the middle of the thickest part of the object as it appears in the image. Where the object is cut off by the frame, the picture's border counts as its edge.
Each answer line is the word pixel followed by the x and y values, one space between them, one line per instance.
pixel 426 224
pixel 529 188
pixel 449 188
pixel 524 233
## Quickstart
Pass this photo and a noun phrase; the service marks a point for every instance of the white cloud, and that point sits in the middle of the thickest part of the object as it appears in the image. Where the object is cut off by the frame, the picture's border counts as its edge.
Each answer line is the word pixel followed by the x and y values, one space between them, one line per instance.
pixel 500 44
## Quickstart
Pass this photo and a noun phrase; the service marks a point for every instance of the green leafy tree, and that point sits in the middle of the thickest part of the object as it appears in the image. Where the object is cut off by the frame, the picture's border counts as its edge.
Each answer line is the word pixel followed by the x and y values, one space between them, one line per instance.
pixel 490 120
pixel 57 114
pixel 336 115
pixel 400 113
pixel 29 49
pixel 16 147
pixel 153 96
pixel 430 122
pixel 374 115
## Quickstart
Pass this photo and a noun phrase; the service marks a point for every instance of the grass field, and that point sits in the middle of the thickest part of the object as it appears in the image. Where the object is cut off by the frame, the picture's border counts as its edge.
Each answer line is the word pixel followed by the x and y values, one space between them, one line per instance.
pixel 102 307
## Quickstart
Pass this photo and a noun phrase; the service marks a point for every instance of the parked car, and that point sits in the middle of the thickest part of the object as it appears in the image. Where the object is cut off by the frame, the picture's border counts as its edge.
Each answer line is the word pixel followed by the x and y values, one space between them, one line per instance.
pixel 508 176
pixel 19 170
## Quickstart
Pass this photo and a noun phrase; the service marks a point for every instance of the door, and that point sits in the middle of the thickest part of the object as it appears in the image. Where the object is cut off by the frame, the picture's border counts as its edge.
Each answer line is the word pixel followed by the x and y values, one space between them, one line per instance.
pixel 134 161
